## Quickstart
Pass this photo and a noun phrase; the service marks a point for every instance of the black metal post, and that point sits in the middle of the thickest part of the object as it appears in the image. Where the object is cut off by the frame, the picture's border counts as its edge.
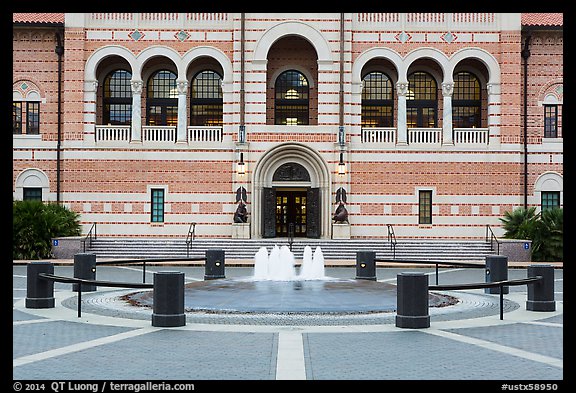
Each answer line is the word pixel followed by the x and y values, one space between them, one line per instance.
pixel 412 301
pixel 168 307
pixel 214 264
pixel 80 285
pixel 366 265
pixel 541 293
pixel 85 268
pixel 39 291
pixel 496 270
pixel 501 301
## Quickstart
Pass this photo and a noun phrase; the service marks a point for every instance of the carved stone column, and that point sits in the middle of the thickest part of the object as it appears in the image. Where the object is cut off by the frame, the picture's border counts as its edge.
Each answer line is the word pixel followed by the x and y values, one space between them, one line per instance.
pixel 136 134
pixel 182 110
pixel 447 132
pixel 402 130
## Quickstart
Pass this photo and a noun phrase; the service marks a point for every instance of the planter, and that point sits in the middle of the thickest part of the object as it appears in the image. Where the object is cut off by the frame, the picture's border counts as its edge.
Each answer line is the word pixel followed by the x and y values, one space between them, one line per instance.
pixel 67 247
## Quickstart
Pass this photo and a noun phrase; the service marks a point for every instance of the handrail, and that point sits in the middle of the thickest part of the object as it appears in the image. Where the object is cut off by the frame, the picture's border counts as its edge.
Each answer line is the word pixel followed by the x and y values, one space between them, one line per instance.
pixel 479 285
pixel 190 237
pixel 290 235
pixel 80 281
pixel 392 240
pixel 455 264
pixel 492 237
pixel 89 236
pixel 144 260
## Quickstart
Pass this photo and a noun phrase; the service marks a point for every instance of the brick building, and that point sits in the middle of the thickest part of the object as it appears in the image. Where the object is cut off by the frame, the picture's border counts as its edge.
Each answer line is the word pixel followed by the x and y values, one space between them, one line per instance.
pixel 434 123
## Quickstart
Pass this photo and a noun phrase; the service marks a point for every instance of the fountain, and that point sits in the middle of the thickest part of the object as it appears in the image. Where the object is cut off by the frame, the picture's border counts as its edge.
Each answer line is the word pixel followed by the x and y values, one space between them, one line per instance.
pixel 275 288
pixel 280 265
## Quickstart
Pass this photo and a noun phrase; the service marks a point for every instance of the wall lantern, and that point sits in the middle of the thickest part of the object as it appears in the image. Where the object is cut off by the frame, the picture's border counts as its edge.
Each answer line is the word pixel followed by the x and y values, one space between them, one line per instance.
pixel 341 165
pixel 241 167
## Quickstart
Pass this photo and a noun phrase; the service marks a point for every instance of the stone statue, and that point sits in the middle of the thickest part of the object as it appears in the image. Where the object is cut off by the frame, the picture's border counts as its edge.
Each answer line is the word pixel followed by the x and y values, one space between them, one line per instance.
pixel 341 214
pixel 241 213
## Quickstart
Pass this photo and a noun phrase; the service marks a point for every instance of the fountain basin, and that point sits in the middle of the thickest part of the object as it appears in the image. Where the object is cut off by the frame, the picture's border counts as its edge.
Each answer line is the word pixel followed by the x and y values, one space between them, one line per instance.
pixel 332 295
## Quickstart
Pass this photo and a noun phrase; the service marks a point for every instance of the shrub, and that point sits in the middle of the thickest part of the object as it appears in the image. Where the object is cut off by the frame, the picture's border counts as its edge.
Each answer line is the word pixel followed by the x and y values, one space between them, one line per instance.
pixel 35 223
pixel 545 229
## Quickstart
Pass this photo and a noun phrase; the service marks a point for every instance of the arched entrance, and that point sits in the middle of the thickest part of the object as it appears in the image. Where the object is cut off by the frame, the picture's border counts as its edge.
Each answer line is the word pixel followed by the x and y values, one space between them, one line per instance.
pixel 291 187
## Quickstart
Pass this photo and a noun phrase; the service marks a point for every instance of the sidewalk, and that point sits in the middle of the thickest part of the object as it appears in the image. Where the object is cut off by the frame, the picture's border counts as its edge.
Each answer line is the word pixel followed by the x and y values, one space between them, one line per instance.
pixel 113 341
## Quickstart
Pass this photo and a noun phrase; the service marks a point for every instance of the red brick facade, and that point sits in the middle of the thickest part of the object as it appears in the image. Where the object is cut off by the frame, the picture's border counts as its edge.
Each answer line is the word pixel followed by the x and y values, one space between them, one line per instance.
pixel 106 173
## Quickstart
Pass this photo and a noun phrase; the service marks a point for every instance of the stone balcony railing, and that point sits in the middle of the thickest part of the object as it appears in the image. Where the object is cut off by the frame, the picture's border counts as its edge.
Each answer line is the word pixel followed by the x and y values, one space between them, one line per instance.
pixel 156 134
pixel 425 136
pixel 362 21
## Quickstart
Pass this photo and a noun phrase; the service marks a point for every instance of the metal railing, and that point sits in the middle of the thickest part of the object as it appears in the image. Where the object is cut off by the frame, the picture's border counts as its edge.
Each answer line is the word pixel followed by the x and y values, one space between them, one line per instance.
pixel 143 262
pixel 89 237
pixel 436 263
pixel 392 240
pixel 480 285
pixel 190 238
pixel 290 235
pixel 500 284
pixel 81 281
pixel 491 237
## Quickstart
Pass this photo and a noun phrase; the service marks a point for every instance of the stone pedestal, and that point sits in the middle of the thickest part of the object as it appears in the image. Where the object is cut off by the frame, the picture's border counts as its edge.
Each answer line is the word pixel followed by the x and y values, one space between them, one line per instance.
pixel 241 230
pixel 341 231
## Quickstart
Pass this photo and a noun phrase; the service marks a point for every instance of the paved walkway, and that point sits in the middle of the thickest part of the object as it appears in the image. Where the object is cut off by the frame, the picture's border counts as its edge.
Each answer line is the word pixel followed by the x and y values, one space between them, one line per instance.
pixel 114 341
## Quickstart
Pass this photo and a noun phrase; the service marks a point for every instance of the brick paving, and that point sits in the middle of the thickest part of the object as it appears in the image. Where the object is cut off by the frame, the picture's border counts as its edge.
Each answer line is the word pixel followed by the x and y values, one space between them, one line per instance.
pixel 116 342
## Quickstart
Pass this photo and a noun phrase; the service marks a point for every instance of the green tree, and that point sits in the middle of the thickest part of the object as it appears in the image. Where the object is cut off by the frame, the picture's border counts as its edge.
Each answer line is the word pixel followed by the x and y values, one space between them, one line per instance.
pixel 35 223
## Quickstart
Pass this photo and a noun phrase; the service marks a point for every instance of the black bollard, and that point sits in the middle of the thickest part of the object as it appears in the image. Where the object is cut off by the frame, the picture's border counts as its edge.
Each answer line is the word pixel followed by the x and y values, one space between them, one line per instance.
pixel 168 307
pixel 39 291
pixel 541 293
pixel 412 301
pixel 366 265
pixel 214 265
pixel 496 270
pixel 85 268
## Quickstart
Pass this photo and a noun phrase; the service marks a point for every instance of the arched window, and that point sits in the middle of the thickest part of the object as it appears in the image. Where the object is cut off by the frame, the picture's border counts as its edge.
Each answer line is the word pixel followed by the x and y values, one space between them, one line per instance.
pixel 466 101
pixel 291 99
pixel 377 101
pixel 117 98
pixel 421 101
pixel 162 99
pixel 206 99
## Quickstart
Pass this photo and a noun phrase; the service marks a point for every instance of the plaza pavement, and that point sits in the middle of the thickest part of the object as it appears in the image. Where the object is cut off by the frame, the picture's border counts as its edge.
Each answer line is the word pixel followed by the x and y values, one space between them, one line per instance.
pixel 113 341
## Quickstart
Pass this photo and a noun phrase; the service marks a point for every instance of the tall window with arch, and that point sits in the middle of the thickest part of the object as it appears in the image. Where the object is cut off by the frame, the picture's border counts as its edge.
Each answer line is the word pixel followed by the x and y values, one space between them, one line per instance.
pixel 422 101
pixel 117 98
pixel 377 100
pixel 162 99
pixel 291 99
pixel 206 99
pixel 466 101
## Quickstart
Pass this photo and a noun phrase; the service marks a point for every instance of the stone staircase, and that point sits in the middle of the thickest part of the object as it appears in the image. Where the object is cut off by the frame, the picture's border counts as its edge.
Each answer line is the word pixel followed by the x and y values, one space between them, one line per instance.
pixel 413 249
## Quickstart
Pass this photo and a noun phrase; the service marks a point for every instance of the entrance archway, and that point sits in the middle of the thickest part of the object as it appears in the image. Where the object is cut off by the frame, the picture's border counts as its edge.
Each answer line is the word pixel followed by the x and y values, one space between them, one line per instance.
pixel 291 186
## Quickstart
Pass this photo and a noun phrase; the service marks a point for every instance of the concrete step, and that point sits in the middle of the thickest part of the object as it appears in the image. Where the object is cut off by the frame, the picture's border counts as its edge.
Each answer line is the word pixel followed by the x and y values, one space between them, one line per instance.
pixel 423 249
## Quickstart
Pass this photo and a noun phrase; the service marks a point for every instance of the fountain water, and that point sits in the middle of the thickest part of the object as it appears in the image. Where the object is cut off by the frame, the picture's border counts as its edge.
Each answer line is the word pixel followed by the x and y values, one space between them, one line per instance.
pixel 279 265
pixel 276 288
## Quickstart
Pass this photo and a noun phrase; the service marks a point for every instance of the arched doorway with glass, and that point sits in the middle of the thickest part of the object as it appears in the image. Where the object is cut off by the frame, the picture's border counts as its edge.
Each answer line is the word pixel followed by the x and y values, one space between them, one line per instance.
pixel 291 184
pixel 295 203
